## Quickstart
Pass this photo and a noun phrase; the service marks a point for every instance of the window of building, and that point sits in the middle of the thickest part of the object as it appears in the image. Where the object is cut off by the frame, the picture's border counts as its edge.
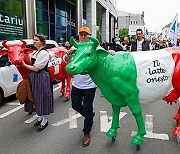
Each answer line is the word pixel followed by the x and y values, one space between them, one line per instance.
pixel 42 17
pixel 60 21
pixel 42 4
pixel 43 28
pixel 58 17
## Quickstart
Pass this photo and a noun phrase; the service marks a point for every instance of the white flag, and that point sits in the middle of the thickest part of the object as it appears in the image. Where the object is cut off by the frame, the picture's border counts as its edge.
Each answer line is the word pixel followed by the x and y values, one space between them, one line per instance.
pixel 173 31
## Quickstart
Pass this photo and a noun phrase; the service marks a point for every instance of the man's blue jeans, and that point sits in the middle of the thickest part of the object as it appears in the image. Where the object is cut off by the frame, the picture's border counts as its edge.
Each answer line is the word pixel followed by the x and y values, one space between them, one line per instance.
pixel 82 102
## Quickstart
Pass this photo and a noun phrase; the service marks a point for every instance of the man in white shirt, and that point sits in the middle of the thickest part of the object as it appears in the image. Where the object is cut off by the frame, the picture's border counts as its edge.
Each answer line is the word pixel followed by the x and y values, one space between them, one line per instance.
pixel 83 92
pixel 140 44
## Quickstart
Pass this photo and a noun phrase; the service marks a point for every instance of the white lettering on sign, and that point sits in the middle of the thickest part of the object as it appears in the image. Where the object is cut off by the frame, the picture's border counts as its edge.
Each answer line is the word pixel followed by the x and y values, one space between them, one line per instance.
pixel 71 23
pixel 53 61
pixel 11 20
pixel 157 70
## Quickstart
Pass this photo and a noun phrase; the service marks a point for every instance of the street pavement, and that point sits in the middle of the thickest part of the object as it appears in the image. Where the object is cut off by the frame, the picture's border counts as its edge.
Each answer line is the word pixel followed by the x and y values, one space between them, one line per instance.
pixel 64 133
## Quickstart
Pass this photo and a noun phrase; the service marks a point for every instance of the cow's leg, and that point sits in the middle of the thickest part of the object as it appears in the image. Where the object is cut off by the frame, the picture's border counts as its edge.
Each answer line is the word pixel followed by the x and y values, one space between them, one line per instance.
pixel 172 97
pixel 137 112
pixel 112 132
pixel 176 130
pixel 177 115
pixel 62 86
pixel 68 86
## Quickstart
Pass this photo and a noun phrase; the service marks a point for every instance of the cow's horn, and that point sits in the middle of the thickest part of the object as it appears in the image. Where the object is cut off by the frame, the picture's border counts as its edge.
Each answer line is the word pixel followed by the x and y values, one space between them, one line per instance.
pixel 4 44
pixel 73 42
pixel 94 40
pixel 23 44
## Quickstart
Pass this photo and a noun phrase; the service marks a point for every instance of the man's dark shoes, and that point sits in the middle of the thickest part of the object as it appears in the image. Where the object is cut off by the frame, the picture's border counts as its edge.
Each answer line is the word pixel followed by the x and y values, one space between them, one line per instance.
pixel 42 127
pixel 37 123
pixel 86 139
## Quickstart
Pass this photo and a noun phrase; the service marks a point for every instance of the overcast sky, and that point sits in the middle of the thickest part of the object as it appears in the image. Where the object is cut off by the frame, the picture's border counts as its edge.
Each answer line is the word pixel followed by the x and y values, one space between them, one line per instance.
pixel 157 13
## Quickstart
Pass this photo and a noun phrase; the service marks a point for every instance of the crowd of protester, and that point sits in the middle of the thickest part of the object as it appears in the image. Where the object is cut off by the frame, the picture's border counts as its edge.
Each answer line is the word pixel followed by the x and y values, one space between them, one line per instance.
pixel 125 44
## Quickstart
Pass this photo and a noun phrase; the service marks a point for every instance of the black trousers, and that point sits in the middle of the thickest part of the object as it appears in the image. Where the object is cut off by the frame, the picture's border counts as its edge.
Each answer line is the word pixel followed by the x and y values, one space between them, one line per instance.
pixel 82 102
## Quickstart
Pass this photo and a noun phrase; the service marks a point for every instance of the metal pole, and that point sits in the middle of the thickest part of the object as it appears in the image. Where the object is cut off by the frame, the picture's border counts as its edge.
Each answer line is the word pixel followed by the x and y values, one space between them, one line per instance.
pixel 31 18
pixel 79 15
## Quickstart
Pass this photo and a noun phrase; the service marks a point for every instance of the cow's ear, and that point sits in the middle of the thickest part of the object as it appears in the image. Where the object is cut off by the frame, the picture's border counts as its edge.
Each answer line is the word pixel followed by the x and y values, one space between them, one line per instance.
pixel 3 52
pixel 101 52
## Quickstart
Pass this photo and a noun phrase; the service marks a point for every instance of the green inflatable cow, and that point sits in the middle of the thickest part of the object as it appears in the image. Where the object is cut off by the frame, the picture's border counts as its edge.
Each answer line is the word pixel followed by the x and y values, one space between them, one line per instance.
pixel 117 78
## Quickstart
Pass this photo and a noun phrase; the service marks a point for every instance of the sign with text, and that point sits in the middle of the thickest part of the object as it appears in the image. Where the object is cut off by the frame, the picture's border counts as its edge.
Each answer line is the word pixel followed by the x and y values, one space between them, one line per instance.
pixel 11 24
pixel 133 28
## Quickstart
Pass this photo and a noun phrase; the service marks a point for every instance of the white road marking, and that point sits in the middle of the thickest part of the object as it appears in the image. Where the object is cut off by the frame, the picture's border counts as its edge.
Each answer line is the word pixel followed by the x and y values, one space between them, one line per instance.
pixel 149 123
pixel 11 111
pixel 13 103
pixel 31 119
pixel 58 87
pixel 66 120
pixel 104 124
pixel 149 130
pixel 73 122
pixel 20 106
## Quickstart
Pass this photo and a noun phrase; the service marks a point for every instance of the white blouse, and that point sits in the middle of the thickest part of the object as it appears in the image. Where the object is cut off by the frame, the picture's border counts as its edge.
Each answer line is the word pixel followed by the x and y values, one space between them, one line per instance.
pixel 42 58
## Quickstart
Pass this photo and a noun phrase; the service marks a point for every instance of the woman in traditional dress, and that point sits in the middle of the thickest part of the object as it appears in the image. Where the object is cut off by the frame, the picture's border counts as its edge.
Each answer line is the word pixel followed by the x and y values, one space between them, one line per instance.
pixel 41 83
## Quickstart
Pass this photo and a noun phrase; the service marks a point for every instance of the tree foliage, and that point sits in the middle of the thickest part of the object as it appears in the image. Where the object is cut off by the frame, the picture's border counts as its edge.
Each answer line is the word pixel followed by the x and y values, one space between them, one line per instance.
pixel 123 32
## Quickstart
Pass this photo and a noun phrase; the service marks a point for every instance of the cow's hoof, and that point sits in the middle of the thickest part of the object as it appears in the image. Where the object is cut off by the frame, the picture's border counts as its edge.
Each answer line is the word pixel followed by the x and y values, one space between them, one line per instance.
pixel 67 98
pixel 138 147
pixel 114 139
pixel 178 139
pixel 111 132
pixel 137 139
pixel 176 117
pixel 176 131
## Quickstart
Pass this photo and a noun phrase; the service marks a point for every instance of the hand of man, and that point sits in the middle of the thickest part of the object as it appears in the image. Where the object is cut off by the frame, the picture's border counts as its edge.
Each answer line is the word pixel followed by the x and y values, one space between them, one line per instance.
pixel 70 51
pixel 112 52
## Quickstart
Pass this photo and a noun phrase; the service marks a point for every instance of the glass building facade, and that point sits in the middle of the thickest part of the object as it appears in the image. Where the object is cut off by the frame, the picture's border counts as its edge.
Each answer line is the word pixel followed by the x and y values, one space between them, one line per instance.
pixel 56 19
pixel 11 20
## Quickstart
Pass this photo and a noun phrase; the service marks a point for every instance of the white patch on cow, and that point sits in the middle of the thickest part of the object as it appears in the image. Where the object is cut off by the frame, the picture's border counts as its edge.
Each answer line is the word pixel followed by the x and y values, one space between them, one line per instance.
pixel 154 74
pixel 56 69
pixel 54 62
